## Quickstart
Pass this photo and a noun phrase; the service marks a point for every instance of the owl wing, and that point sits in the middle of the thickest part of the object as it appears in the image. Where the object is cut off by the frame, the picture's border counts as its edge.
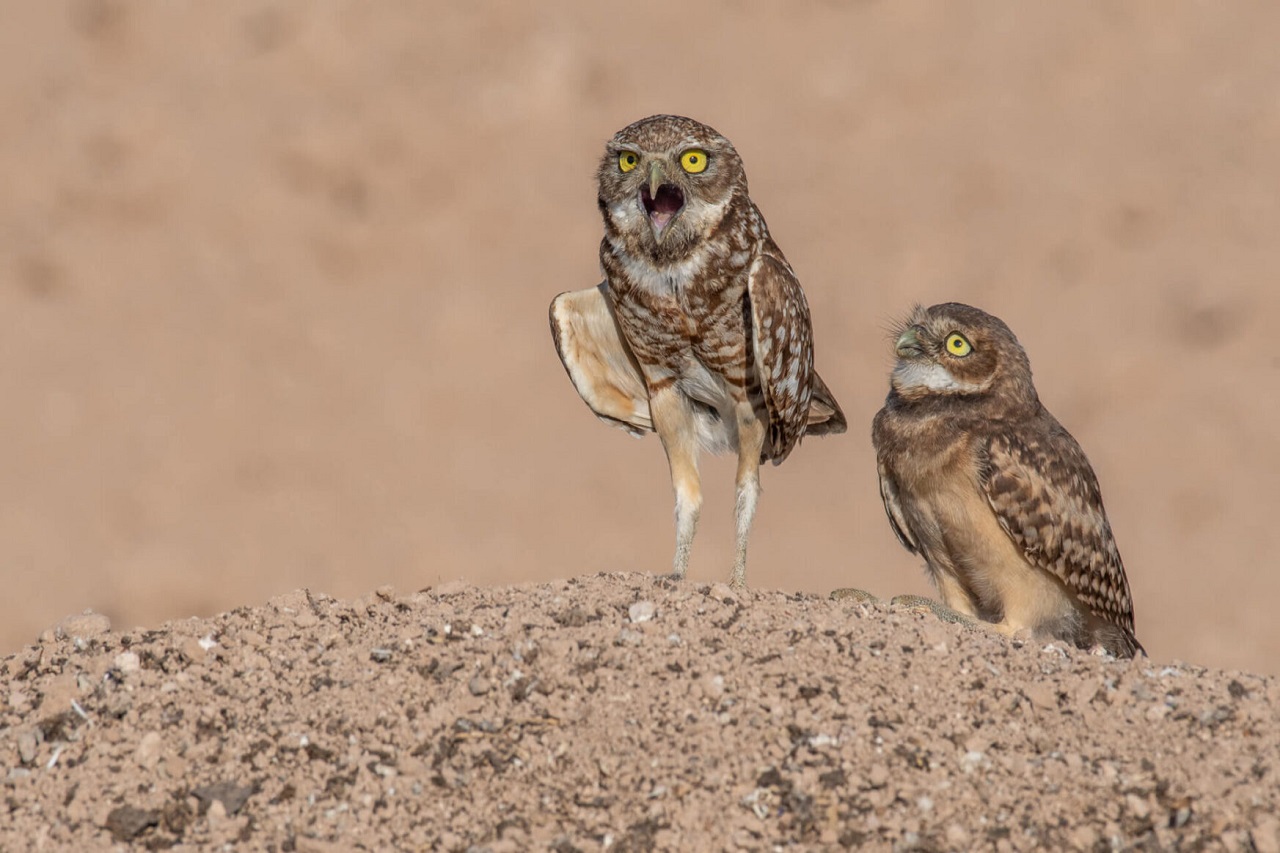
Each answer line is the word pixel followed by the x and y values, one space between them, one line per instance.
pixel 599 363
pixel 825 417
pixel 782 340
pixel 1046 497
pixel 893 509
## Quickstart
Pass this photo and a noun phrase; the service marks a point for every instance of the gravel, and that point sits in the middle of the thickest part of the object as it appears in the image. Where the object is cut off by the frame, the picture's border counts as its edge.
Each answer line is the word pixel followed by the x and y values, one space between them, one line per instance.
pixel 618 712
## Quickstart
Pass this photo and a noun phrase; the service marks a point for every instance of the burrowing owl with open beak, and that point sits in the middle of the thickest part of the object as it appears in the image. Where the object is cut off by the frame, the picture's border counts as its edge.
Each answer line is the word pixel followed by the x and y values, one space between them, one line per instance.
pixel 700 331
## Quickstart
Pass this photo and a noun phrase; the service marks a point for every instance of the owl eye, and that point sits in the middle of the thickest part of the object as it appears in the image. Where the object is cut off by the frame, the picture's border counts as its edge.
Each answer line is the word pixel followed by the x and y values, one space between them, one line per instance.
pixel 627 161
pixel 958 345
pixel 694 161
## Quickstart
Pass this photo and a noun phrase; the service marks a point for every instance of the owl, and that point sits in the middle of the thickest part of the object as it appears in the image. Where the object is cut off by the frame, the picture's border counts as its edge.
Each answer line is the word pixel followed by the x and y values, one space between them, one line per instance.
pixel 979 479
pixel 700 331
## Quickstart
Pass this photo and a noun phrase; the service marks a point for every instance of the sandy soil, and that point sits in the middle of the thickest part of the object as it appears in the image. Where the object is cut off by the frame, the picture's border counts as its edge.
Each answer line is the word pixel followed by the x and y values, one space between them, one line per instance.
pixel 616 712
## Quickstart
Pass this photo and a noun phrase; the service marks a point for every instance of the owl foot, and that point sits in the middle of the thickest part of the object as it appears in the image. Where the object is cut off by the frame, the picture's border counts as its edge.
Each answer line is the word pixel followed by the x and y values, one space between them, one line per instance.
pixel 920 604
pixel 858 596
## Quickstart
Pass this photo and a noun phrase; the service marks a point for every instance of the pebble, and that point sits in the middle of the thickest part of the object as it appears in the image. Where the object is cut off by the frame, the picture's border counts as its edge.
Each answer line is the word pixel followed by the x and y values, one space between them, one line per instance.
pixel 28 744
pixel 127 662
pixel 628 637
pixel 82 626
pixel 479 685
pixel 642 611
pixel 193 650
pixel 148 752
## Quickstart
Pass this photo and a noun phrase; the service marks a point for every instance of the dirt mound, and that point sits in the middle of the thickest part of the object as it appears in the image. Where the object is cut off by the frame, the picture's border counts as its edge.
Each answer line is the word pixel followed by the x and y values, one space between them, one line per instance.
pixel 617 712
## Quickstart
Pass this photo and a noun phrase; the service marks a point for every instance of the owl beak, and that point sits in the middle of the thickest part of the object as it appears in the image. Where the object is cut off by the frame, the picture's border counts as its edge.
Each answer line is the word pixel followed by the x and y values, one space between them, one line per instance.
pixel 661 202
pixel 908 345
pixel 655 178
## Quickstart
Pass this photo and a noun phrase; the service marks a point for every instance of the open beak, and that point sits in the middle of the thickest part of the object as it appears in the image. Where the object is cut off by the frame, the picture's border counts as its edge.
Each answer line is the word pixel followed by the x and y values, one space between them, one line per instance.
pixel 908 345
pixel 662 202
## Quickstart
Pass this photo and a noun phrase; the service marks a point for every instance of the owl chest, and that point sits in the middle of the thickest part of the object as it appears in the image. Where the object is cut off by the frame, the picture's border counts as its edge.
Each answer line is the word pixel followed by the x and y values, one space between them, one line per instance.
pixel 949 516
pixel 685 329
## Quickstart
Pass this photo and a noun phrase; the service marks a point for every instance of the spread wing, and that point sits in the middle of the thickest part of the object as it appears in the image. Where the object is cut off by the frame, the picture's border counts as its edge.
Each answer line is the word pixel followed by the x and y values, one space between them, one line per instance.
pixel 782 340
pixel 1046 497
pixel 598 361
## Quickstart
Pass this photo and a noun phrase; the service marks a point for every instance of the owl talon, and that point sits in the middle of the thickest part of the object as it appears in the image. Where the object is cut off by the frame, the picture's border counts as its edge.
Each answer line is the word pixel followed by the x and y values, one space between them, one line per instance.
pixel 858 596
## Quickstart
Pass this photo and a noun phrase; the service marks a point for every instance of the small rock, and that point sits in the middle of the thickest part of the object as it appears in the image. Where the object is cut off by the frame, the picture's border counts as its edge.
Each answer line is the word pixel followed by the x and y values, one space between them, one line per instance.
pixel 216 814
pixel 148 752
pixel 127 662
pixel 1085 693
pixel 1137 806
pixel 192 650
pixel 479 685
pixel 82 626
pixel 229 794
pixel 59 693
pixel 628 637
pixel 385 592
pixel 252 638
pixel 1084 837
pixel 1266 835
pixel 28 744
pixel 380 655
pixel 971 761
pixel 642 611
pixel 126 822
pixel 724 593
pixel 1042 696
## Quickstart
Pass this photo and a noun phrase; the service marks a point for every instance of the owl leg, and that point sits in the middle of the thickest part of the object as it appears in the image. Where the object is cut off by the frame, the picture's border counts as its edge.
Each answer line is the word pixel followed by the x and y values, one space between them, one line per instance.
pixel 750 441
pixel 676 424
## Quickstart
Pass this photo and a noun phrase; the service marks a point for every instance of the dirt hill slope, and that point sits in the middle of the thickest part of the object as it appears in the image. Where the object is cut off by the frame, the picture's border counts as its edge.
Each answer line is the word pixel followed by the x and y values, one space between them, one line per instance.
pixel 617 712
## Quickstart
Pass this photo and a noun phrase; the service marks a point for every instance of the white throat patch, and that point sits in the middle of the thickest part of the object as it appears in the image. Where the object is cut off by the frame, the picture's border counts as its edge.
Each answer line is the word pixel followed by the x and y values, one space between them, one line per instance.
pixel 934 377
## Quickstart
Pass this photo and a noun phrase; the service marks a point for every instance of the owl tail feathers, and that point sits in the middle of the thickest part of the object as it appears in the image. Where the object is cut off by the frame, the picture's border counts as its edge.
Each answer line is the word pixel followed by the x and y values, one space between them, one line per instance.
pixel 1117 640
pixel 825 417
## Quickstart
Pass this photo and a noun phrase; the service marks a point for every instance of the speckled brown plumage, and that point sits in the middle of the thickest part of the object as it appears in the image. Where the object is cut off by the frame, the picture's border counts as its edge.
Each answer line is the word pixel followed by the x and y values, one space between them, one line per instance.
pixel 700 330
pixel 983 482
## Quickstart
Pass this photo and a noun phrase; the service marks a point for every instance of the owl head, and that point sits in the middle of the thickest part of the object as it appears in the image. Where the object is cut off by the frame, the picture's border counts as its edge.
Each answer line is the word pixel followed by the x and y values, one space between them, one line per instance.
pixel 665 183
pixel 957 351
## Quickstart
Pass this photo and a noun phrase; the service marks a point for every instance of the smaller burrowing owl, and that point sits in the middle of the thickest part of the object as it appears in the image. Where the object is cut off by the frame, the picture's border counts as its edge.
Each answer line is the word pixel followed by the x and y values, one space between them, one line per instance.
pixel 700 331
pixel 979 479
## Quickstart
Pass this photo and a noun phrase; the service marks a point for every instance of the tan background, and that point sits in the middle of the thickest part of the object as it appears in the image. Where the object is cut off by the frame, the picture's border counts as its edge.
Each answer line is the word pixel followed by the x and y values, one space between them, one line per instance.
pixel 273 282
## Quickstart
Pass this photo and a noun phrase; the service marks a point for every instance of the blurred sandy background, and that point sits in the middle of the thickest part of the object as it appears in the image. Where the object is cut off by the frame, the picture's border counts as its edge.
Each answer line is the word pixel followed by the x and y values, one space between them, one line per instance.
pixel 273 283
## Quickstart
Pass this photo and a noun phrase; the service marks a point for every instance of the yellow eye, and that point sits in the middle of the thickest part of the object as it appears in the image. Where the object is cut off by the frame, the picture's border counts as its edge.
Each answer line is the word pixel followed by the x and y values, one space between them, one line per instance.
pixel 958 346
pixel 694 161
pixel 627 160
